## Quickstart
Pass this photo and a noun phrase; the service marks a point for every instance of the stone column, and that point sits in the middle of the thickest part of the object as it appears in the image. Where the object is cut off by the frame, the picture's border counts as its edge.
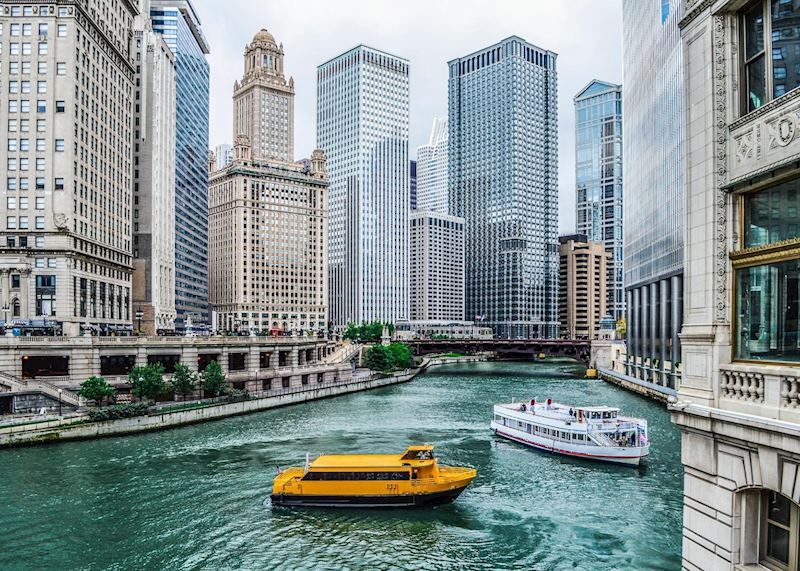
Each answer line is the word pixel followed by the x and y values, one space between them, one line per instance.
pixel 675 327
pixel 664 329
pixel 294 357
pixel 645 333
pixel 301 357
pixel 189 355
pixel 635 331
pixel 653 333
pixel 274 358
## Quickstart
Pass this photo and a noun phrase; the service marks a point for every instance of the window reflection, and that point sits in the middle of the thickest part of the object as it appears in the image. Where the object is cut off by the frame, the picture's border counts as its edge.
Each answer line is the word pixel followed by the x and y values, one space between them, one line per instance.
pixel 771 215
pixel 785 45
pixel 767 304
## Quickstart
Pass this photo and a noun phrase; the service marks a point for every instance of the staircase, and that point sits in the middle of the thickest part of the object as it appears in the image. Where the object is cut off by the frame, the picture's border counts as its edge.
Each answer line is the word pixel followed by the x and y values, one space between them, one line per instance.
pixel 15 384
pixel 343 354
pixel 602 439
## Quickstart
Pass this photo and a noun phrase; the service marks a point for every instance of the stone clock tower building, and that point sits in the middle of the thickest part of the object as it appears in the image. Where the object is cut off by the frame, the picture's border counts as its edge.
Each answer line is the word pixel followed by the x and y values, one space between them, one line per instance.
pixel 263 101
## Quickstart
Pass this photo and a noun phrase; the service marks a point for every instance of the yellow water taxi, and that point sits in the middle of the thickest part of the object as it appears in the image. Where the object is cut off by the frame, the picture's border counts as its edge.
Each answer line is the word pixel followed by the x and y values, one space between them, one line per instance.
pixel 413 478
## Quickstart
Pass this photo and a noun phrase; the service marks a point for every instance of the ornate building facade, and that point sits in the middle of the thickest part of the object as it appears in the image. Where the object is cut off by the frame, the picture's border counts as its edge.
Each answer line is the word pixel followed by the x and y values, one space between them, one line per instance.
pixel 268 231
pixel 738 404
pixel 263 101
pixel 67 130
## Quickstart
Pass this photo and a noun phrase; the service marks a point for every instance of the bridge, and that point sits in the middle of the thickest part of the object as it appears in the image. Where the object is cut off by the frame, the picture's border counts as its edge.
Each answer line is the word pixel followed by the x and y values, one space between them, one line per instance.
pixel 578 349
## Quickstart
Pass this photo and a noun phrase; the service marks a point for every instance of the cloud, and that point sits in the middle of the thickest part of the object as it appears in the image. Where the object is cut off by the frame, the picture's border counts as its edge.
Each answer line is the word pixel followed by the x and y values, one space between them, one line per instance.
pixel 586 34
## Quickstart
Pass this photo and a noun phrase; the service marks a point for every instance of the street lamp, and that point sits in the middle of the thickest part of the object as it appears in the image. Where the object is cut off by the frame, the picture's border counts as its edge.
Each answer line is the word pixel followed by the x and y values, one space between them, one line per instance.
pixel 59 402
pixel 6 310
pixel 139 315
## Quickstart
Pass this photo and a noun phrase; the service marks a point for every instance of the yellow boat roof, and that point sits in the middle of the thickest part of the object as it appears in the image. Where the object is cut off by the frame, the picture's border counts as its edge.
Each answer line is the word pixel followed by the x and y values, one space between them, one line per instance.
pixel 371 460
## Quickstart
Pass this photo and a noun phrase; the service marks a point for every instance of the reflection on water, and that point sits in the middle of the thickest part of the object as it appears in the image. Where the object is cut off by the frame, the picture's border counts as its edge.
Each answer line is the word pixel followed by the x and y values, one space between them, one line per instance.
pixel 197 497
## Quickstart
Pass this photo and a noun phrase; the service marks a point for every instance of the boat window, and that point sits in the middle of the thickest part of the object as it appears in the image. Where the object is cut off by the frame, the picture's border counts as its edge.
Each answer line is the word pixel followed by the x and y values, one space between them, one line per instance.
pixel 356 476
pixel 418 455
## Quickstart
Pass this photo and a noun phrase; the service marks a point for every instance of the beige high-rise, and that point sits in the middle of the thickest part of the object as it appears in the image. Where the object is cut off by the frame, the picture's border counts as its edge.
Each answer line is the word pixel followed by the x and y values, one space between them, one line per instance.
pixel 154 180
pixel 268 218
pixel 583 286
pixel 66 128
pixel 263 101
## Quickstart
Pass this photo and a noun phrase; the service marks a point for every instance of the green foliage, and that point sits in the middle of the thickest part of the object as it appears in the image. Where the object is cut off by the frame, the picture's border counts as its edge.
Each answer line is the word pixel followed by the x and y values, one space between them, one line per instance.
pixel 214 382
pixel 440 337
pixel 118 411
pixel 392 358
pixel 622 327
pixel 184 381
pixel 148 382
pixel 366 332
pixel 96 389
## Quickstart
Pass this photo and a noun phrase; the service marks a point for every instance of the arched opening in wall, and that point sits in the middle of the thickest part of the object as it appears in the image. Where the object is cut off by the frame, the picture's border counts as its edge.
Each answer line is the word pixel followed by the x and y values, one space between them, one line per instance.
pixel 770 530
pixel 16 308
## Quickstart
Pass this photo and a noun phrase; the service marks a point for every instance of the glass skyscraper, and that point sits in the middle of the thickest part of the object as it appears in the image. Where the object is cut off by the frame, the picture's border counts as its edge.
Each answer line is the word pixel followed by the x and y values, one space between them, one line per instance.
pixel 503 179
pixel 653 182
pixel 178 23
pixel 362 126
pixel 432 158
pixel 598 178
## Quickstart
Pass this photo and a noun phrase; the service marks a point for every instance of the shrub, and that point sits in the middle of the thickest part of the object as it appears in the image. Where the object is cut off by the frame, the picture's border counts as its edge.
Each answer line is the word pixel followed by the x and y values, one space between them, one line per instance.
pixel 96 389
pixel 117 411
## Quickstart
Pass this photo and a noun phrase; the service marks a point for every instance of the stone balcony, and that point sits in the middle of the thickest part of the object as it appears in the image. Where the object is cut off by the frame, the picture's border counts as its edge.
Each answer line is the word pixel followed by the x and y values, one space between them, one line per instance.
pixel 770 391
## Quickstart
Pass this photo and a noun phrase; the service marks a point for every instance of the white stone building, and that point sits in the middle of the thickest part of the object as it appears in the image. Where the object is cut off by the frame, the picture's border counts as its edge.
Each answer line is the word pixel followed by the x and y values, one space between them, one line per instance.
pixel 362 125
pixel 268 219
pixel 67 130
pixel 436 267
pixel 739 397
pixel 432 170
pixel 263 101
pixel 154 180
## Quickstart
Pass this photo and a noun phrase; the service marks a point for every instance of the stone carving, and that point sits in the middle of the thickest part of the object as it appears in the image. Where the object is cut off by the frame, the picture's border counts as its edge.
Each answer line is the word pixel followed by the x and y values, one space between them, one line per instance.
pixel 60 220
pixel 745 145
pixel 781 130
pixel 720 45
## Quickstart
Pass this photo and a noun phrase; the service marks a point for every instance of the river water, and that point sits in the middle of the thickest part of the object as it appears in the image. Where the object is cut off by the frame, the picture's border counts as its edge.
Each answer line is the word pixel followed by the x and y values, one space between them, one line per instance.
pixel 198 497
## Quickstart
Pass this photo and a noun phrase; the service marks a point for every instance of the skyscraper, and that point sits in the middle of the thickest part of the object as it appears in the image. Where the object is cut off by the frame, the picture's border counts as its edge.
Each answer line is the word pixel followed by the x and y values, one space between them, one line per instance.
pixel 263 101
pixel 432 170
pixel 503 179
pixel 268 218
pixel 582 286
pixel 437 267
pixel 653 182
pixel 412 184
pixel 223 155
pixel 362 125
pixel 178 23
pixel 598 178
pixel 67 126
pixel 154 179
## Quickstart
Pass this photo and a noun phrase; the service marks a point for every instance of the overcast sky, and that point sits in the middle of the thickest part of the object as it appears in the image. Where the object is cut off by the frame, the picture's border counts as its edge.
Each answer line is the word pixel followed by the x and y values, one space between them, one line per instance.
pixel 586 35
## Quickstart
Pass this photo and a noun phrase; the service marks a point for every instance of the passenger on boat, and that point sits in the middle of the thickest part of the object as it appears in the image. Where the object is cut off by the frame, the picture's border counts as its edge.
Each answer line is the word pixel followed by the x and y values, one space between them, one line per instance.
pixel 522 407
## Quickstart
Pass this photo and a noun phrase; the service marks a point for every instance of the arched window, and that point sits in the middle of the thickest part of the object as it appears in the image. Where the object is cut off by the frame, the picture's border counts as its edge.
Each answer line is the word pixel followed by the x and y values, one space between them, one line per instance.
pixel 16 308
pixel 780 537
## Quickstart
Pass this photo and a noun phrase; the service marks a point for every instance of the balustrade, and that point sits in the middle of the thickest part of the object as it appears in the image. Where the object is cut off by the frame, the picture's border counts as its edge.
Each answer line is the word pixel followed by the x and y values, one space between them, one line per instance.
pixel 742 386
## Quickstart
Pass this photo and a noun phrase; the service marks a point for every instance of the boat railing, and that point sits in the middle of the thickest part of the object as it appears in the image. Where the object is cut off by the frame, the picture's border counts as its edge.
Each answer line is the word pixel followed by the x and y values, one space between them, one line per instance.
pixel 602 439
pixel 611 425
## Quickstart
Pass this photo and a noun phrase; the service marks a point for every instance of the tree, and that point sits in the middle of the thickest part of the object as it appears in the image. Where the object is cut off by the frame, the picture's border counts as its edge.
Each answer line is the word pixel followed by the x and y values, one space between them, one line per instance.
pixel 148 382
pixel 622 327
pixel 214 382
pixel 96 389
pixel 351 332
pixel 184 381
pixel 378 358
pixel 400 356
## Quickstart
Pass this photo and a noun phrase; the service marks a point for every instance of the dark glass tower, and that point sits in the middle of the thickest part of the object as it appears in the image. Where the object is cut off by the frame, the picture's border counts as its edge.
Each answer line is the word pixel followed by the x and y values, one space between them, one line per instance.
pixel 178 23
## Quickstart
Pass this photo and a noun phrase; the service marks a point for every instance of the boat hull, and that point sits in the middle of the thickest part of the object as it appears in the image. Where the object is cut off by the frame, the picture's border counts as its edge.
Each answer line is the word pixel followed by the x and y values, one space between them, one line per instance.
pixel 627 456
pixel 356 501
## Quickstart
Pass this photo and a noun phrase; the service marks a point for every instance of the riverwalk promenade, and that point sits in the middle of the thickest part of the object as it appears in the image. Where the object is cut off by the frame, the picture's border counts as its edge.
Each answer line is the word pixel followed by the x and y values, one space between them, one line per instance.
pixel 81 427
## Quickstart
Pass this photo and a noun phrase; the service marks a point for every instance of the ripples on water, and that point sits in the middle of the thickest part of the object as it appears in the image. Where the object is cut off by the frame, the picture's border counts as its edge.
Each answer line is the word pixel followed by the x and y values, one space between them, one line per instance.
pixel 197 497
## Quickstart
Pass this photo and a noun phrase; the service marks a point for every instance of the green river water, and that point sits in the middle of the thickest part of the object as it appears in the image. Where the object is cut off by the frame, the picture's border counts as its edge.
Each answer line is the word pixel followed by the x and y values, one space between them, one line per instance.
pixel 198 497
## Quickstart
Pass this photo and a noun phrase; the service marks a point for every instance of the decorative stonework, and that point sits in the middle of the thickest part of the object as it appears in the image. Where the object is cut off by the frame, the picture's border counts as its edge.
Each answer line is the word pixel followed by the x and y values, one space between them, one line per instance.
pixel 721 47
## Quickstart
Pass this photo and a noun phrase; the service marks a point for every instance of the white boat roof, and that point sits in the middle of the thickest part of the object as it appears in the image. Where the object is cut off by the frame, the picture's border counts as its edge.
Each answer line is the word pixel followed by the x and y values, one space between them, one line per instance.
pixel 562 405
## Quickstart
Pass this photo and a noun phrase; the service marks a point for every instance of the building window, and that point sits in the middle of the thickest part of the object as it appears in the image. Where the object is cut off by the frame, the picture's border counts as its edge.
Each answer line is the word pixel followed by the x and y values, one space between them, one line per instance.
pixel 46 295
pixel 767 275
pixel 59 184
pixel 62 30
pixel 771 54
pixel 779 540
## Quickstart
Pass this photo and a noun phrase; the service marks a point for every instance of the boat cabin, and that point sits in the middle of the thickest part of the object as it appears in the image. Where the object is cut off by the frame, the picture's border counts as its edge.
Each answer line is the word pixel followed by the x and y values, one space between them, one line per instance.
pixel 416 462
pixel 596 413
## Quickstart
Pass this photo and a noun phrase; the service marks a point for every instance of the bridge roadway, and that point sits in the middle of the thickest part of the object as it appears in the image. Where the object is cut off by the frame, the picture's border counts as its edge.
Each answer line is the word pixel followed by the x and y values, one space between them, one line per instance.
pixel 579 349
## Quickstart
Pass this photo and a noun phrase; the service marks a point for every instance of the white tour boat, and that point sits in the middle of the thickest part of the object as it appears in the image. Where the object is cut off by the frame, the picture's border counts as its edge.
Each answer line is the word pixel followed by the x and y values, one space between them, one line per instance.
pixel 595 432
